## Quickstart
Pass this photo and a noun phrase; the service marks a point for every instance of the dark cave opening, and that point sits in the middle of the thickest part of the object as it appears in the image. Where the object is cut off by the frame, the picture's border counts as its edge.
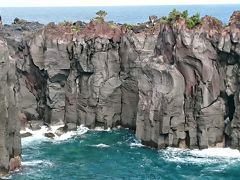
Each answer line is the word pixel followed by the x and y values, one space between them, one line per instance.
pixel 230 110
pixel 231 107
pixel 187 139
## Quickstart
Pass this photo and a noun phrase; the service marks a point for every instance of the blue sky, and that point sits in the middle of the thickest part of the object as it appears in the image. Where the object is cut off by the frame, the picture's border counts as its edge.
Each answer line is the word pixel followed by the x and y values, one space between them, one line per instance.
pixel 37 3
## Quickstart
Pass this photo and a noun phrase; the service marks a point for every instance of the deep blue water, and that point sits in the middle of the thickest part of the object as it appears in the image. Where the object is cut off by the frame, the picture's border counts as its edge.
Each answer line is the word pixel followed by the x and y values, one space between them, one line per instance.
pixel 117 155
pixel 133 14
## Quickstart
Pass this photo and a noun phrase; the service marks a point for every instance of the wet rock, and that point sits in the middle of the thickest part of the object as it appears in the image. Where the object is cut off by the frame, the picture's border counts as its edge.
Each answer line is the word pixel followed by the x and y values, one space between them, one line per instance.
pixel 71 126
pixel 35 125
pixel 49 135
pixel 3 172
pixel 60 131
pixel 26 134
pixel 14 163
pixel 80 23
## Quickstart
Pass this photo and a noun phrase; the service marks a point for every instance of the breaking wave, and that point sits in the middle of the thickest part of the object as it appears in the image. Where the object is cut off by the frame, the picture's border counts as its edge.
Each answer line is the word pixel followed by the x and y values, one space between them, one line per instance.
pixel 37 163
pixel 38 135
pixel 101 145
pixel 209 156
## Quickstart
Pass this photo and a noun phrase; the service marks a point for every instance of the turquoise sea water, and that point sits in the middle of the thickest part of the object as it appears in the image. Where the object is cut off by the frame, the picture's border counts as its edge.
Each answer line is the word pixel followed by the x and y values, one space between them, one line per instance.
pixel 123 14
pixel 118 155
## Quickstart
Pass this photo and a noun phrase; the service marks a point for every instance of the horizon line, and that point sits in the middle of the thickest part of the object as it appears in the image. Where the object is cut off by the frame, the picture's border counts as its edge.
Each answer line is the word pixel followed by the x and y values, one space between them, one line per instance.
pixel 57 6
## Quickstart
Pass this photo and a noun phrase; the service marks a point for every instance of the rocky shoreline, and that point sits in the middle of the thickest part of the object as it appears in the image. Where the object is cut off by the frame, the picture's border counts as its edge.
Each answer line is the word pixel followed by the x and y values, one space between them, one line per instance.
pixel 174 85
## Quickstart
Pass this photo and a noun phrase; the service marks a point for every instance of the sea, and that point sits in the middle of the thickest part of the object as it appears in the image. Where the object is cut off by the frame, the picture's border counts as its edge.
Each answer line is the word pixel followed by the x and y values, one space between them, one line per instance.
pixel 117 153
pixel 122 14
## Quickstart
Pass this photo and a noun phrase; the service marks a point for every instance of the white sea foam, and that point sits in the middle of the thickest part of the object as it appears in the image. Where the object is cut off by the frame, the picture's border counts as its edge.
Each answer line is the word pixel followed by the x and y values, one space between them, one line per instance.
pixel 80 130
pixel 36 163
pixel 101 145
pixel 206 156
pixel 136 144
pixel 118 127
pixel 98 128
pixel 6 177
pixel 65 136
pixel 217 152
pixel 38 135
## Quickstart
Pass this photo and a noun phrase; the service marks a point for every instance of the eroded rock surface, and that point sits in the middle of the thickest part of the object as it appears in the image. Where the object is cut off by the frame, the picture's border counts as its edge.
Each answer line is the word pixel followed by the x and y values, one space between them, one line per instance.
pixel 10 142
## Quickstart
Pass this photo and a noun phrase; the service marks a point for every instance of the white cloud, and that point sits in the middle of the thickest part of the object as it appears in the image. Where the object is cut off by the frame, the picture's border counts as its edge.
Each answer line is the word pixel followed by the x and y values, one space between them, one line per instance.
pixel 44 3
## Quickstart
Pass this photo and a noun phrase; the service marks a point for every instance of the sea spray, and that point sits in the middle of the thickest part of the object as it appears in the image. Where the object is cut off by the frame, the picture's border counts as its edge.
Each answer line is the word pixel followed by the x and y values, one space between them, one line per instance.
pixel 39 135
pixel 37 163
pixel 217 153
pixel 198 157
pixel 101 145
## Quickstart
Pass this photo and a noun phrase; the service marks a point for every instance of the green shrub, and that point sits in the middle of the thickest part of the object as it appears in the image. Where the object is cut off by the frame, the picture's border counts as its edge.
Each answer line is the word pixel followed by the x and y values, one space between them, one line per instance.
pixel 128 26
pixel 163 19
pixel 100 16
pixel 112 24
pixel 101 13
pixel 65 23
pixel 75 29
pixel 193 21
pixel 175 15
pixel 185 14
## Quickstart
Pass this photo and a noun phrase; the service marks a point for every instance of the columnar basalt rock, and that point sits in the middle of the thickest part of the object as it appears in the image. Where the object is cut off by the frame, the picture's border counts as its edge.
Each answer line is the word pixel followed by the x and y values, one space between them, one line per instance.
pixel 196 59
pixel 160 117
pixel 175 86
pixel 10 142
pixel 230 45
pixel 83 81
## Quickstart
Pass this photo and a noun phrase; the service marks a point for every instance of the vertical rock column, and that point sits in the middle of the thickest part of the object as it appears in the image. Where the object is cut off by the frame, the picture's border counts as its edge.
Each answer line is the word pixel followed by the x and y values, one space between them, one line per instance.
pixel 10 142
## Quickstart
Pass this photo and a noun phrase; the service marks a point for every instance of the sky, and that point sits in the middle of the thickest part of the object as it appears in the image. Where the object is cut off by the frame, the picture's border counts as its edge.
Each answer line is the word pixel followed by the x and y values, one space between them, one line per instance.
pixel 52 3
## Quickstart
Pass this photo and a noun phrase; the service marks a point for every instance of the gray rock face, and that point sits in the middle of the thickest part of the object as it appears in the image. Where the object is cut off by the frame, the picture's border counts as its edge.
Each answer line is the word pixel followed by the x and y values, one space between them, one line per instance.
pixel 83 84
pixel 10 142
pixel 160 106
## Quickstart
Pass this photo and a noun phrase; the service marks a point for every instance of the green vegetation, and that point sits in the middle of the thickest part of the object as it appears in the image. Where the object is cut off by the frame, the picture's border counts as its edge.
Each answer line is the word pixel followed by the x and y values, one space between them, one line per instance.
pixel 185 14
pixel 74 28
pixel 100 16
pixel 128 26
pixel 174 15
pixel 65 23
pixel 112 24
pixel 193 21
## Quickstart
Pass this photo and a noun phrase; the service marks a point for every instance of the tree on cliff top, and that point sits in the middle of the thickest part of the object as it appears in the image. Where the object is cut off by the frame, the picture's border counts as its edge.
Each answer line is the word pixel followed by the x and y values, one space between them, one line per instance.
pixel 191 21
pixel 100 16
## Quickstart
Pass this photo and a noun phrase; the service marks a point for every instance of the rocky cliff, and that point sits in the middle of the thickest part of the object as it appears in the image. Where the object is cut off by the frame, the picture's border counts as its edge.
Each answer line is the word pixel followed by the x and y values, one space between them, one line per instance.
pixel 10 142
pixel 173 85
pixel 12 93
